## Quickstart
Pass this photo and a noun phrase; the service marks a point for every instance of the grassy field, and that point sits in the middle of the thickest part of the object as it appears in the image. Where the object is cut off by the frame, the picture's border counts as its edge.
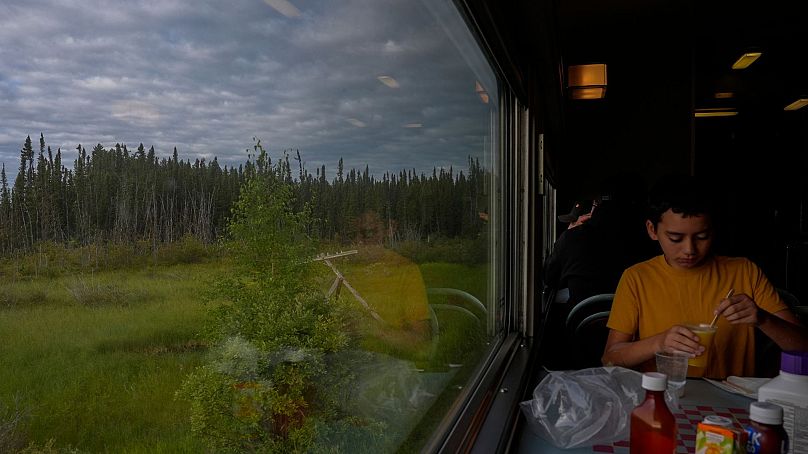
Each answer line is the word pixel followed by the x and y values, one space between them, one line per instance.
pixel 92 361
pixel 95 360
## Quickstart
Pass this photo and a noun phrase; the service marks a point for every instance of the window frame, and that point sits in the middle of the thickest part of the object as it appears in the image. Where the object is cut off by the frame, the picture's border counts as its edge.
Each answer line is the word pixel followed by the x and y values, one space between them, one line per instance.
pixel 484 418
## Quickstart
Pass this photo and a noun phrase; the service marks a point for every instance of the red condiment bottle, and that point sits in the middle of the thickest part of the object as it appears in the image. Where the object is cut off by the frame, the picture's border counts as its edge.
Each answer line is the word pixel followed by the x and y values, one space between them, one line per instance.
pixel 765 432
pixel 653 427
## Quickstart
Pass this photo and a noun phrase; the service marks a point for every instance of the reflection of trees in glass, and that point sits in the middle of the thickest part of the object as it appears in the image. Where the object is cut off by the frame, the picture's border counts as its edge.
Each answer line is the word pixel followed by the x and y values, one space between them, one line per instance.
pixel 272 384
pixel 112 194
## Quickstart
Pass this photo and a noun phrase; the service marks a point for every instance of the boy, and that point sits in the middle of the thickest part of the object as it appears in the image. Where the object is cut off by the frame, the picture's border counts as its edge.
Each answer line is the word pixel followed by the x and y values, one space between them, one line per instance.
pixel 656 298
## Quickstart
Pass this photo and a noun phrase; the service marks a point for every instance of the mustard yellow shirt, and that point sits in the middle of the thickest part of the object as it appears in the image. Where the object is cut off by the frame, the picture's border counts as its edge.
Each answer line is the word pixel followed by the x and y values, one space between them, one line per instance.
pixel 652 296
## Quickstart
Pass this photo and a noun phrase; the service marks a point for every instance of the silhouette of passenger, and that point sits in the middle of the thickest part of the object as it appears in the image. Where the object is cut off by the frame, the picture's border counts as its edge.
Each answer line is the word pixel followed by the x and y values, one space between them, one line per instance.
pixel 589 259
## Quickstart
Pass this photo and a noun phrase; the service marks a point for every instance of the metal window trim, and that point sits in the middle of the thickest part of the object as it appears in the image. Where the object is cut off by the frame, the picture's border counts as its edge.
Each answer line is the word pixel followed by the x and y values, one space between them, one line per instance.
pixel 475 422
pixel 462 434
pixel 502 422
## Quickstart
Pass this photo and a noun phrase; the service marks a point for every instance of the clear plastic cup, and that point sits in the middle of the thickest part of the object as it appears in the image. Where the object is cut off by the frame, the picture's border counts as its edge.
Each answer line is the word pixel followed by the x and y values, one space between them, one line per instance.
pixel 674 365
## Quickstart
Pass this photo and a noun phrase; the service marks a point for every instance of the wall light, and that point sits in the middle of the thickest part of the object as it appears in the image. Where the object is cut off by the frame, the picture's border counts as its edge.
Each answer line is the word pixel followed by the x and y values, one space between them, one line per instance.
pixel 746 59
pixel 715 112
pixel 798 104
pixel 587 81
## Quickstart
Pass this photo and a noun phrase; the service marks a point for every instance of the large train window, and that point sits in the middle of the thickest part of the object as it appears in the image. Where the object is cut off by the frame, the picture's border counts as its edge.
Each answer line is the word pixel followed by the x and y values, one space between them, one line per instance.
pixel 338 285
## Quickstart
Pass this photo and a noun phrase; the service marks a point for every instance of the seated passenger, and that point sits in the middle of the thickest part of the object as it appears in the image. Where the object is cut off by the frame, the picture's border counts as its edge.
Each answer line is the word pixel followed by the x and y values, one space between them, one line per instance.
pixel 579 214
pixel 687 284
pixel 590 258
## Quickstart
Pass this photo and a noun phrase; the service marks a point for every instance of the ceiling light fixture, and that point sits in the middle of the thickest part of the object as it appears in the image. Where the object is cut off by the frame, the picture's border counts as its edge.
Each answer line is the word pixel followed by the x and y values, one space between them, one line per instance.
pixel 389 81
pixel 715 112
pixel 724 95
pixel 798 104
pixel 728 113
pixel 284 7
pixel 746 59
pixel 587 81
pixel 356 122
pixel 481 92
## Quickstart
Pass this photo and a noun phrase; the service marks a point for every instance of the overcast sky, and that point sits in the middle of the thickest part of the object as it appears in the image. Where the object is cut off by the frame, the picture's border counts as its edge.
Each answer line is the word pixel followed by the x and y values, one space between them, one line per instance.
pixel 388 83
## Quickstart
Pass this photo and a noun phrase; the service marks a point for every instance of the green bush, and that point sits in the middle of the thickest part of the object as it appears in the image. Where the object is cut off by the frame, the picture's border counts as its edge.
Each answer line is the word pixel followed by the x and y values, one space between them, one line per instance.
pixel 188 249
pixel 268 386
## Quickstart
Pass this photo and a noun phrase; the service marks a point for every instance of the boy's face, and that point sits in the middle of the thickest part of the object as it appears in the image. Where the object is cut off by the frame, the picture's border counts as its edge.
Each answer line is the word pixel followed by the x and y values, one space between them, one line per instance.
pixel 685 241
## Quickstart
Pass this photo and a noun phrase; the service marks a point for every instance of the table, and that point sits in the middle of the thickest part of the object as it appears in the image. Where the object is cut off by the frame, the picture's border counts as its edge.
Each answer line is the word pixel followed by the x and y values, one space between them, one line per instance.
pixel 701 398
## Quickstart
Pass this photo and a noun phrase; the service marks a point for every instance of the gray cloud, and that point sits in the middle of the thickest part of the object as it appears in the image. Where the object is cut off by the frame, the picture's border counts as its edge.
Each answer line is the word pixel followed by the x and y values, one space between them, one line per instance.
pixel 208 76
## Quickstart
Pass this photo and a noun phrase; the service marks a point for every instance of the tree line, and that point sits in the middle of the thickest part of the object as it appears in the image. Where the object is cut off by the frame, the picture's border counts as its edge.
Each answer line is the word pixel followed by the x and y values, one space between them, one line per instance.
pixel 114 194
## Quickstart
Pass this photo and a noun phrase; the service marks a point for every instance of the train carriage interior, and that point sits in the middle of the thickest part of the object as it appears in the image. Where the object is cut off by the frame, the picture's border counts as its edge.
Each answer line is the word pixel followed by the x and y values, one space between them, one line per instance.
pixel 673 104
pixel 153 301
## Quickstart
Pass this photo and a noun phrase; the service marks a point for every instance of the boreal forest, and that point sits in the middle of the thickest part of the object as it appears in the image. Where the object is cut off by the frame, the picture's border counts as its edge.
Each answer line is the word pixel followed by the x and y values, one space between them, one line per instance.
pixel 117 195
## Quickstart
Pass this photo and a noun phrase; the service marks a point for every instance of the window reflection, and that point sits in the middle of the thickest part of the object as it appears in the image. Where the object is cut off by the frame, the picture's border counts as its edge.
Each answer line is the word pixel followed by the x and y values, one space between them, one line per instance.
pixel 332 287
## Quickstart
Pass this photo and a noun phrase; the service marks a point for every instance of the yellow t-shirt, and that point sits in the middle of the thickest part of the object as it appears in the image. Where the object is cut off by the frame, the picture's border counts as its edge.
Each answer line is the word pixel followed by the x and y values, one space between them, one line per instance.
pixel 652 296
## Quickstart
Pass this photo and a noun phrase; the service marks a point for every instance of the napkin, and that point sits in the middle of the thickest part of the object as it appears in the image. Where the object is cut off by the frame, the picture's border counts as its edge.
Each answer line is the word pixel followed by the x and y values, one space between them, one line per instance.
pixel 745 386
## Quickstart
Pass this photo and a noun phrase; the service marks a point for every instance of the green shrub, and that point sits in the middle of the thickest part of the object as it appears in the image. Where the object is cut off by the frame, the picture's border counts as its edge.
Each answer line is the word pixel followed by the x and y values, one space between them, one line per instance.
pixel 188 249
pixel 268 386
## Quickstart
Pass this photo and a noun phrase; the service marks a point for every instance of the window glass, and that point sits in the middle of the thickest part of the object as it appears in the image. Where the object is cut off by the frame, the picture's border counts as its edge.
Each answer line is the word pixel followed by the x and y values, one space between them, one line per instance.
pixel 260 225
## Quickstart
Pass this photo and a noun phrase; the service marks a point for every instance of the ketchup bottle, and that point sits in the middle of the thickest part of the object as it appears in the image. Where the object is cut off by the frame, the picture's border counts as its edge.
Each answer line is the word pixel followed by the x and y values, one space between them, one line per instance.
pixel 653 427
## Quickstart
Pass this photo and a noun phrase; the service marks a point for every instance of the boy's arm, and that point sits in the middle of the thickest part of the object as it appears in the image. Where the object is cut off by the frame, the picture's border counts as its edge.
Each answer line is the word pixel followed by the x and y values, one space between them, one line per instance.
pixel 782 327
pixel 622 350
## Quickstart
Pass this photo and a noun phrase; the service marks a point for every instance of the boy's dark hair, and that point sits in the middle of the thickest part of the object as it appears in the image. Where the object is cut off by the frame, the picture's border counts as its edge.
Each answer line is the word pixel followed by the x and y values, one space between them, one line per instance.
pixel 683 194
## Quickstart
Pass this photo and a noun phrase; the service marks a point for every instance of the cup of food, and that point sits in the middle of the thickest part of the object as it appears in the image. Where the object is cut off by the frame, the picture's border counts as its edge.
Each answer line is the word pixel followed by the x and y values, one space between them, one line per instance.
pixel 706 332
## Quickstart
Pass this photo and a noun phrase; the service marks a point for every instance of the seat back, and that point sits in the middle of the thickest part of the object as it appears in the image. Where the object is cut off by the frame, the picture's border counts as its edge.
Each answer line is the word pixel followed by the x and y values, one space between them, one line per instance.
pixel 788 298
pixel 590 340
pixel 586 330
pixel 587 307
pixel 767 353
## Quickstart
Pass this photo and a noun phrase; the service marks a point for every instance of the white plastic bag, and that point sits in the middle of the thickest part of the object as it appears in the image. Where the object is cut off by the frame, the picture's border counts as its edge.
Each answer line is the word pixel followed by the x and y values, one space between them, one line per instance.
pixel 587 407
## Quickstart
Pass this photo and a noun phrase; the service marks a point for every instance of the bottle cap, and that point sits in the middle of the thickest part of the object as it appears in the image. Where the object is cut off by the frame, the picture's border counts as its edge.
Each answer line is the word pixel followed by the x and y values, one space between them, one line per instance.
pixel 794 362
pixel 654 381
pixel 766 412
pixel 715 420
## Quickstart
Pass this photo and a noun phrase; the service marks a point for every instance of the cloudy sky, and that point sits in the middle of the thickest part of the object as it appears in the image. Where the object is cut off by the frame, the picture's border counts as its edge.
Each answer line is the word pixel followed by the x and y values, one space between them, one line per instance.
pixel 388 83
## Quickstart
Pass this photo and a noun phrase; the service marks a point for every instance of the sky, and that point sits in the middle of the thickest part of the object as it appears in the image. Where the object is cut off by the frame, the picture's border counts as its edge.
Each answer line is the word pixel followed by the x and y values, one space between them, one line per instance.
pixel 390 84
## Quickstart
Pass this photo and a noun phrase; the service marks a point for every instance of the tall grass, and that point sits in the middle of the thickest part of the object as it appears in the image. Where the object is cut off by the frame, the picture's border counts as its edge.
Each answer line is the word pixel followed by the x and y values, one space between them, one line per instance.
pixel 92 357
pixel 96 359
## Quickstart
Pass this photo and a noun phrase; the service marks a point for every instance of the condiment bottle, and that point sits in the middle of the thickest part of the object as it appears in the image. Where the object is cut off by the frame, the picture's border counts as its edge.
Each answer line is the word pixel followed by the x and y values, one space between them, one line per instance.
pixel 765 432
pixel 653 427
pixel 790 391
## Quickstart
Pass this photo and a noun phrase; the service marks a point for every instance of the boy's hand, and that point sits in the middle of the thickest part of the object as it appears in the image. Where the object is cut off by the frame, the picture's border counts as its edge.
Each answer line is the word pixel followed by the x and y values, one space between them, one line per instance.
pixel 678 338
pixel 739 308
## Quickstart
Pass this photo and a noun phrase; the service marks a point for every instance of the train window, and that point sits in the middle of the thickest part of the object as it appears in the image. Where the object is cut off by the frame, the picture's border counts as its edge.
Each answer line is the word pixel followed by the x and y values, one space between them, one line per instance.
pixel 339 285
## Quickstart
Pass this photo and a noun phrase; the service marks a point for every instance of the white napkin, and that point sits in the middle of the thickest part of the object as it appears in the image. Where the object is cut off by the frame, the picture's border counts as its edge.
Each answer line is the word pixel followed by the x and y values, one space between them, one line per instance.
pixel 745 386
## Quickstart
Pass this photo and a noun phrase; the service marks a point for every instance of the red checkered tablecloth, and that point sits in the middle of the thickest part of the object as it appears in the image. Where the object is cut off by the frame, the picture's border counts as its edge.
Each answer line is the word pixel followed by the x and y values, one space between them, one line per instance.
pixel 687 419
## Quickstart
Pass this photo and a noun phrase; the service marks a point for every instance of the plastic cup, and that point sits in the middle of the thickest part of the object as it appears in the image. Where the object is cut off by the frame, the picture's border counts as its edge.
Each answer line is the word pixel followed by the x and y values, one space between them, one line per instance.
pixel 674 365
pixel 706 334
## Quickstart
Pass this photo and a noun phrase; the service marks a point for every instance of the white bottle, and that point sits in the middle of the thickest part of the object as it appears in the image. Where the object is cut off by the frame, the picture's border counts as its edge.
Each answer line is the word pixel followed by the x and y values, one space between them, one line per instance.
pixel 790 391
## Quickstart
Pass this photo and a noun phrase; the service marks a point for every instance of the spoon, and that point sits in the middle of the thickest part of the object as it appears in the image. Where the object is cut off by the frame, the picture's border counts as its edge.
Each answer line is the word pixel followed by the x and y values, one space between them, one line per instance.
pixel 715 319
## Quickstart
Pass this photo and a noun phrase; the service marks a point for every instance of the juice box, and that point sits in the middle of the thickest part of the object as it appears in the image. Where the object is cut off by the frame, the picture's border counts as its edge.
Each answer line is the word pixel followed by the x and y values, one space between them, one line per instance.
pixel 712 439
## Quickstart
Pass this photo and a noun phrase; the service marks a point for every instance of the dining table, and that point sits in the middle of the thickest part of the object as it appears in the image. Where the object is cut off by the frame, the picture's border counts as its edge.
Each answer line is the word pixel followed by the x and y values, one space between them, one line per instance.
pixel 700 399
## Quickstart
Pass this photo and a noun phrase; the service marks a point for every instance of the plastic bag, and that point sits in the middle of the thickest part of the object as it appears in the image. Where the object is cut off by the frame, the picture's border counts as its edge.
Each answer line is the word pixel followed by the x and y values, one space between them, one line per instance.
pixel 587 407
